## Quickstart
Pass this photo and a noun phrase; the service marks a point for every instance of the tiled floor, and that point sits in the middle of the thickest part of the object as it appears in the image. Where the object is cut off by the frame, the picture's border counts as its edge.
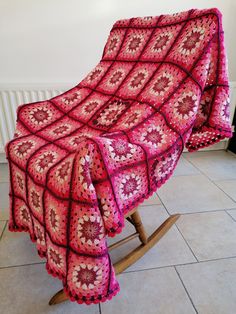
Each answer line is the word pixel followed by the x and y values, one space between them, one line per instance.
pixel 191 270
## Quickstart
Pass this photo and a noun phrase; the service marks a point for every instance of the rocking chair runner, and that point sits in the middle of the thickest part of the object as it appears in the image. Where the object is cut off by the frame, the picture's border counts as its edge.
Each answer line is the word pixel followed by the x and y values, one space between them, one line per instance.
pixel 83 160
pixel 147 243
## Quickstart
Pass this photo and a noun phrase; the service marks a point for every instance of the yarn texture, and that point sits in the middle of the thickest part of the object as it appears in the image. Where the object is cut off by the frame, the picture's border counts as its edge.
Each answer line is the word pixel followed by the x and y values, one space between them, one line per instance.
pixel 81 160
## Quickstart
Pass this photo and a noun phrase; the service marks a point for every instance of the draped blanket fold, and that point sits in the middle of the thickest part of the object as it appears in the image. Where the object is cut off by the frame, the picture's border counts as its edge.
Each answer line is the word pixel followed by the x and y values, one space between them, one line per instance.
pixel 82 160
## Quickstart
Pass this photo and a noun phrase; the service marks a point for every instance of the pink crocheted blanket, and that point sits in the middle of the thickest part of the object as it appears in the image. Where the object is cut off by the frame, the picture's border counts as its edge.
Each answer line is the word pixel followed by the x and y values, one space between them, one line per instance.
pixel 83 159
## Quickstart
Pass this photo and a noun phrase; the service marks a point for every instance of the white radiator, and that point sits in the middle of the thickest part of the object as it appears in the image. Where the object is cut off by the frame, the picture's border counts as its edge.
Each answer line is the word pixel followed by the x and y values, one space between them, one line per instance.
pixel 10 98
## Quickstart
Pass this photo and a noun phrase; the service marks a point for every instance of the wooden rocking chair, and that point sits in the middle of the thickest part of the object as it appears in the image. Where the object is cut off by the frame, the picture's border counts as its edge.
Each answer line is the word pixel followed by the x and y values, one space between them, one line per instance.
pixel 147 243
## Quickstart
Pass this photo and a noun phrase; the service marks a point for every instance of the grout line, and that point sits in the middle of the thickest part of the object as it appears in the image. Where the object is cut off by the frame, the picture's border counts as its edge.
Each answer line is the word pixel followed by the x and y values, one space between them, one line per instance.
pixel 224 191
pixel 217 259
pixel 187 243
pixel 230 215
pixel 140 270
pixel 188 294
pixel 4 228
pixel 158 267
pixel 229 179
pixel 181 264
pixel 99 307
pixel 185 175
pixel 22 265
pixel 164 205
pixel 6 219
pixel 203 173
pixel 179 231
pixel 207 211
pixel 148 205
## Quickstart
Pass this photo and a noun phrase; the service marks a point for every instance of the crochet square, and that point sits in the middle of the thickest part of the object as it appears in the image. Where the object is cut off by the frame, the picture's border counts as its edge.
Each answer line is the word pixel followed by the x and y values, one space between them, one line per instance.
pixel 43 159
pixel 35 199
pixel 56 218
pixel 113 44
pixel 136 80
pixel 87 231
pixel 134 44
pixel 114 77
pixel 35 116
pixel 89 106
pixel 162 85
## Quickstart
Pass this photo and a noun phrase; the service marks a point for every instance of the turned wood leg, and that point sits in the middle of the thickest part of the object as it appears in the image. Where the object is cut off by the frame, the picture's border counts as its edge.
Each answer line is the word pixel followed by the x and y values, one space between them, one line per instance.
pixel 139 227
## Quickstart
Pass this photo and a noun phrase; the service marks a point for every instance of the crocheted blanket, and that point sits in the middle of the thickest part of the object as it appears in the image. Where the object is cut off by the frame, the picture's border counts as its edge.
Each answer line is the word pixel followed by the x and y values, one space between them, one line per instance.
pixel 82 160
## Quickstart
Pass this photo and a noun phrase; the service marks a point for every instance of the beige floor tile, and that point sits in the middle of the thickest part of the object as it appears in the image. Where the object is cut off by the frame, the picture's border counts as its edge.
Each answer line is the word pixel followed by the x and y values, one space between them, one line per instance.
pixel 4 176
pixel 27 290
pixel 2 225
pixel 4 195
pixel 186 194
pixel 153 200
pixel 210 235
pixel 185 168
pixel 232 213
pixel 157 291
pixel 16 248
pixel 229 187
pixel 170 250
pixel 4 213
pixel 217 165
pixel 211 285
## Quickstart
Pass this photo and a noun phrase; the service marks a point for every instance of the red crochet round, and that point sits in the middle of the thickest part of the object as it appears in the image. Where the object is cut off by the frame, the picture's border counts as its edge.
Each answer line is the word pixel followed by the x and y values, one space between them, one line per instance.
pixel 81 160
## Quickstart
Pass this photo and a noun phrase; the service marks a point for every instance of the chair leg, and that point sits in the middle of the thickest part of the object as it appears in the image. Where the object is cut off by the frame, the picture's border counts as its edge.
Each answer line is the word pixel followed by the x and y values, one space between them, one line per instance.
pixel 139 227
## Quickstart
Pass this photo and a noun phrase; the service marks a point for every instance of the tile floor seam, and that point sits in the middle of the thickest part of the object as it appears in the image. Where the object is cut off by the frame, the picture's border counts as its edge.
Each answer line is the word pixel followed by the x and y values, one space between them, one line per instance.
pixel 186 175
pixel 100 308
pixel 208 211
pixel 216 259
pixel 141 205
pixel 230 215
pixel 229 179
pixel 137 270
pixel 179 230
pixel 212 181
pixel 185 240
pixel 22 265
pixel 159 267
pixel 164 205
pixel 3 230
pixel 177 265
pixel 186 290
pixel 198 212
pixel 224 191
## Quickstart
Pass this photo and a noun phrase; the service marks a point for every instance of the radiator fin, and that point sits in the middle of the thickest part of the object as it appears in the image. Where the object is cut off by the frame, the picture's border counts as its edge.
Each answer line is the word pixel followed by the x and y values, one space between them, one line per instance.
pixel 10 100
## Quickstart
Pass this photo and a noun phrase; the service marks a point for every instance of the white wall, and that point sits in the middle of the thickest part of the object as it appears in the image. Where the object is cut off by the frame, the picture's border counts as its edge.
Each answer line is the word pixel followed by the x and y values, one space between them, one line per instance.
pixel 59 41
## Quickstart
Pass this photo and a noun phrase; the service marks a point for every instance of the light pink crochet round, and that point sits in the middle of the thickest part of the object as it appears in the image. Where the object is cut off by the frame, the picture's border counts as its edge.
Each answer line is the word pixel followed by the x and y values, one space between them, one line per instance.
pixel 81 160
